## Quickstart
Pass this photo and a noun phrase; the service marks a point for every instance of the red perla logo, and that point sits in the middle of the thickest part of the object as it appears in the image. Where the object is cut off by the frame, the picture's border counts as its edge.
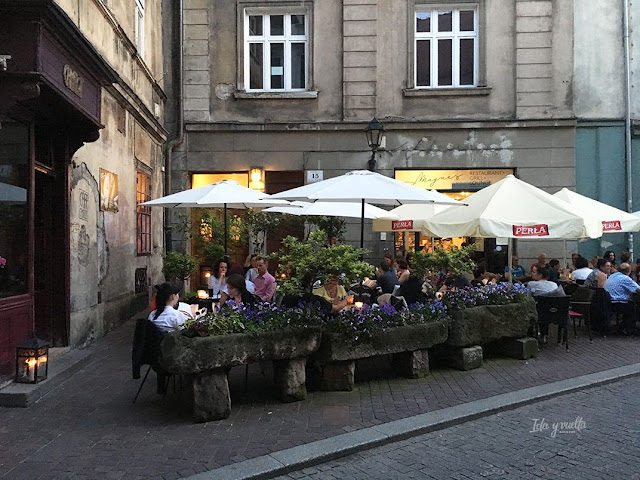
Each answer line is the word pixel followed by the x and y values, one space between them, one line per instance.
pixel 401 224
pixel 541 230
pixel 612 225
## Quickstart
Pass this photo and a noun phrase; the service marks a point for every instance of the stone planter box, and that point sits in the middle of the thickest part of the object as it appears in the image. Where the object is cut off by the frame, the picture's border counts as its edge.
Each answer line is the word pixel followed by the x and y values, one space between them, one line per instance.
pixel 505 326
pixel 208 359
pixel 408 345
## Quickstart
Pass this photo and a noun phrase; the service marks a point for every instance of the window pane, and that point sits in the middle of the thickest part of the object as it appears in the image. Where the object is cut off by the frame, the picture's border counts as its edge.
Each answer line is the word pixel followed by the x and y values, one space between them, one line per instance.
pixel 255 25
pixel 14 211
pixel 297 65
pixel 466 21
pixel 423 63
pixel 444 63
pixel 277 65
pixel 423 21
pixel 277 24
pixel 444 21
pixel 467 55
pixel 255 65
pixel 297 24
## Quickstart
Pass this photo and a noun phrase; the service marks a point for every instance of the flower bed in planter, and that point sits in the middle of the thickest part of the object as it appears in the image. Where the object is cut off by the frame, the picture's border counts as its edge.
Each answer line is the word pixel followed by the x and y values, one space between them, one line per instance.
pixel 207 349
pixel 370 332
pixel 498 314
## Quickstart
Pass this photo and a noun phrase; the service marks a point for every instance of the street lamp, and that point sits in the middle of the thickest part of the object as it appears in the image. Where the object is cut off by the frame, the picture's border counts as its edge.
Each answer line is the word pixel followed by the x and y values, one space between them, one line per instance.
pixel 375 136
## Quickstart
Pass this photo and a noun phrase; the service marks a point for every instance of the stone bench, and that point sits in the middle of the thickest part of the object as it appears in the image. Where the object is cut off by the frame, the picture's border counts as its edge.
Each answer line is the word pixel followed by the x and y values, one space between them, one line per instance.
pixel 504 327
pixel 408 345
pixel 209 359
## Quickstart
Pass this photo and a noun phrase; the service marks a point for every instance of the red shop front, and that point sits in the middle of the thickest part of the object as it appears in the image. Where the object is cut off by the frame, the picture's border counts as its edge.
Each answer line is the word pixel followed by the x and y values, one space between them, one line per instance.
pixel 50 97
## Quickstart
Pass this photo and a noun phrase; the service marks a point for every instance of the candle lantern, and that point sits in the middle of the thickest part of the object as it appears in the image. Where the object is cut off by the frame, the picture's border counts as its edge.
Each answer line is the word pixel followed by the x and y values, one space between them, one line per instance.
pixel 32 360
pixel 203 294
pixel 205 275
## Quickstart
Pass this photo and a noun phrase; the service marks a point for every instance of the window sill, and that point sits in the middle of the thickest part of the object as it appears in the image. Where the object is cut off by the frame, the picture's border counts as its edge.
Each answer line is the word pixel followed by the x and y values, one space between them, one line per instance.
pixel 446 92
pixel 275 95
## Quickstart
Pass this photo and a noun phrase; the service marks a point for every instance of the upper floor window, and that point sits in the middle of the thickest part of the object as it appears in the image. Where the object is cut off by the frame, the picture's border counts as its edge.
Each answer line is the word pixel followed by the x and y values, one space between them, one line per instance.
pixel 139 26
pixel 275 52
pixel 446 47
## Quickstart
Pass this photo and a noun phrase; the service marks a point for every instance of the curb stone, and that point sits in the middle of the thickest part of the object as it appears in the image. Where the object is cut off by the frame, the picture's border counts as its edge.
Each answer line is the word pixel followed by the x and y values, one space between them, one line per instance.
pixel 302 456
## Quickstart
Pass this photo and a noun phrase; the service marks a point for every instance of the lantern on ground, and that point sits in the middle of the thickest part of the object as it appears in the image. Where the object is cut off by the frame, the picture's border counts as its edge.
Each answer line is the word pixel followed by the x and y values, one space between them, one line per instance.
pixel 32 360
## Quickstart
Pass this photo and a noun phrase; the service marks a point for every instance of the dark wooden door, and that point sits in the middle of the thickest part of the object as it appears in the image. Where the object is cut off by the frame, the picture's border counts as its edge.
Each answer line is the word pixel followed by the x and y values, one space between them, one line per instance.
pixel 276 182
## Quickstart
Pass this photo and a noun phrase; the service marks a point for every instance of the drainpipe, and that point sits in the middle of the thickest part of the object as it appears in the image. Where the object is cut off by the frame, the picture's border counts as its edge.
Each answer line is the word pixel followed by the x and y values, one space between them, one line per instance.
pixel 168 154
pixel 627 119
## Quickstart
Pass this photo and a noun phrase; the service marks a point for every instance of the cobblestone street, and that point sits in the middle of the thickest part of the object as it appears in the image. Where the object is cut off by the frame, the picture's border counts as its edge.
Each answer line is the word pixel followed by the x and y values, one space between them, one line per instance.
pixel 601 441
pixel 88 427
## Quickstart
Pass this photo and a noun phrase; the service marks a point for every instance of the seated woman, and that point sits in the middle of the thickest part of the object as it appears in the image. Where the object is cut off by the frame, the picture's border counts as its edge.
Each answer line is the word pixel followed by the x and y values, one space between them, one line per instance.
pixel 541 285
pixel 403 271
pixel 165 316
pixel 334 293
pixel 224 296
pixel 218 279
pixel 238 293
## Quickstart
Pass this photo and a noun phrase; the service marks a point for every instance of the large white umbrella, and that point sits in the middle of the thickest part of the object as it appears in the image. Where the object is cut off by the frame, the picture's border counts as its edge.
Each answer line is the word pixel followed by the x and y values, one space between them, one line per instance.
pixel 331 209
pixel 224 194
pixel 511 209
pixel 362 186
pixel 408 218
pixel 613 219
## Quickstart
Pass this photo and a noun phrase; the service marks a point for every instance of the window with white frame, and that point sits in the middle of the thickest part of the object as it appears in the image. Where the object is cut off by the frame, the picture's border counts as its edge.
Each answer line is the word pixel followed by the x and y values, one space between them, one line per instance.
pixel 446 47
pixel 275 51
pixel 139 26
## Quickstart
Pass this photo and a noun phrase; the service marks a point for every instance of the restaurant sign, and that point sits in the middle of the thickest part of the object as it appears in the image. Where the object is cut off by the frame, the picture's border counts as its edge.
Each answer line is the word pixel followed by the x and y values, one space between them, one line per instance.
pixel 453 179
pixel 401 224
pixel 611 226
pixel 541 230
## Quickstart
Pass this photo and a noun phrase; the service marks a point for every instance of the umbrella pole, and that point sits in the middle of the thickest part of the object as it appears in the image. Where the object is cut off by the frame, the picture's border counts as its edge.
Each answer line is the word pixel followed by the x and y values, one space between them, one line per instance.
pixel 362 225
pixel 226 229
pixel 510 254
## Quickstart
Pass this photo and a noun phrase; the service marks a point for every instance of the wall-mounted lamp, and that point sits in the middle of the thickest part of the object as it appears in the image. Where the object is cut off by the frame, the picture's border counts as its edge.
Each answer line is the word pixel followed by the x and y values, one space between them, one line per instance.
pixel 375 136
pixel 256 179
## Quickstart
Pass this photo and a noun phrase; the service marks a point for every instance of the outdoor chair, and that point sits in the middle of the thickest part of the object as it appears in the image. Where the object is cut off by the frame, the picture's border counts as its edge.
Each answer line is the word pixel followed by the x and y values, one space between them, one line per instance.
pixel 601 310
pixel 146 351
pixel 581 304
pixel 569 288
pixel 553 310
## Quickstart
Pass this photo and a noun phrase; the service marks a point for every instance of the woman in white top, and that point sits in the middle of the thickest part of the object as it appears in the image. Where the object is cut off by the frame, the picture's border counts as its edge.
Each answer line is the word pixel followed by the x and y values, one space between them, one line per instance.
pixel 165 316
pixel 218 280
pixel 252 272
pixel 541 285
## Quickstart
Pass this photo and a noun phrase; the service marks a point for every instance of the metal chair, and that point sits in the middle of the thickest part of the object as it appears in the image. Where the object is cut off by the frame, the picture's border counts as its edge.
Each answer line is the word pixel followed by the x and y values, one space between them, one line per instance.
pixel 581 308
pixel 554 310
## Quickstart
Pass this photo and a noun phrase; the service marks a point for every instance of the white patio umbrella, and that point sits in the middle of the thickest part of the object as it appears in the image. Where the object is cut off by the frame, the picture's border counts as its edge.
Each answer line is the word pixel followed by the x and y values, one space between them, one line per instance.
pixel 511 209
pixel 362 186
pixel 331 209
pixel 224 194
pixel 613 219
pixel 407 218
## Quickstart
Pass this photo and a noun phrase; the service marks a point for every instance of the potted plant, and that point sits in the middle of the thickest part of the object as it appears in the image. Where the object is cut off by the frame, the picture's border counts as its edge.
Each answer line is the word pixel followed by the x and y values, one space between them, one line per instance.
pixel 179 266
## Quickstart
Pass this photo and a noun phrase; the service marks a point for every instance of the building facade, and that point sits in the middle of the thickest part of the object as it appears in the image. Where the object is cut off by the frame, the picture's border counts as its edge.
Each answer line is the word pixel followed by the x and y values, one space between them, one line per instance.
pixel 81 145
pixel 468 92
pixel 601 108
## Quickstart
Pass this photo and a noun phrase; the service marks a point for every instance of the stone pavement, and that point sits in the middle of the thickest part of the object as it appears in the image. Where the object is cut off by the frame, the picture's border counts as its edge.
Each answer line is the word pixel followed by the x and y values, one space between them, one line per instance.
pixel 601 441
pixel 88 427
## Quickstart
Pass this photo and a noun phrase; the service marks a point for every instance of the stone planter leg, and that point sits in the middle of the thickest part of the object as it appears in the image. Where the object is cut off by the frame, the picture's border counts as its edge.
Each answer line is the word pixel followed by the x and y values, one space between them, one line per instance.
pixel 290 377
pixel 466 358
pixel 338 376
pixel 211 398
pixel 520 348
pixel 411 364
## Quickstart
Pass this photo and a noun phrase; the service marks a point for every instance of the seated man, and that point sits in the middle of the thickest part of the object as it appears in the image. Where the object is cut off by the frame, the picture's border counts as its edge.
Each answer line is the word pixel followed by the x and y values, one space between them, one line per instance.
pixel 540 285
pixel 554 270
pixel 516 269
pixel 387 279
pixel 265 284
pixel 598 276
pixel 621 287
